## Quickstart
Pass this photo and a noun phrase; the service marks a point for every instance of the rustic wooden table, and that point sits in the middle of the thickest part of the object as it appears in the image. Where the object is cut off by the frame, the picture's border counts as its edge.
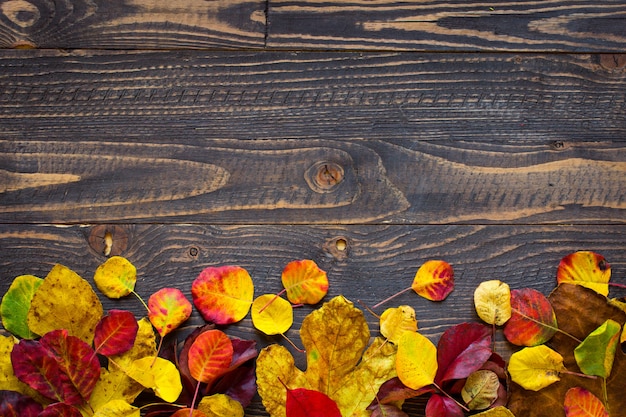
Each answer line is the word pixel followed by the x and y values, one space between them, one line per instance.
pixel 368 136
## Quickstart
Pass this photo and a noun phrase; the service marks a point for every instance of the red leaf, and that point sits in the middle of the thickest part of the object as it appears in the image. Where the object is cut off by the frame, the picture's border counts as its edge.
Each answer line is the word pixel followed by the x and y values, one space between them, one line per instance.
pixel 434 280
pixel 38 368
pixel 76 359
pixel 60 410
pixel 210 356
pixel 439 406
pixel 168 309
pixel 462 349
pixel 302 402
pixel 532 321
pixel 115 333
pixel 14 404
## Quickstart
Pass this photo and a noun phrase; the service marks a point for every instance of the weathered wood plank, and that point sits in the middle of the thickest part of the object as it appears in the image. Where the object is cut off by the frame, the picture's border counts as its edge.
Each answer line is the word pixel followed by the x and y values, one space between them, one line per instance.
pixel 306 181
pixel 376 262
pixel 459 25
pixel 132 24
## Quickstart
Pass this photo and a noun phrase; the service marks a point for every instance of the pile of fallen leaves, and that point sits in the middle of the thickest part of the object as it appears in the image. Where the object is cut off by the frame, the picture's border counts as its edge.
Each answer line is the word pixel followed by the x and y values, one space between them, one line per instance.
pixel 65 357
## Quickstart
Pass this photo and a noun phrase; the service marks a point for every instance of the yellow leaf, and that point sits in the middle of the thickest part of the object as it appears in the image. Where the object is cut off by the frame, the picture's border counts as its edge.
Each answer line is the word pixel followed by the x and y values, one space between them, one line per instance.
pixel 585 268
pixel 492 300
pixel 276 317
pixel 65 301
pixel 117 408
pixel 394 322
pixel 220 405
pixel 416 361
pixel 499 411
pixel 335 337
pixel 158 374
pixel 116 277
pixel 536 367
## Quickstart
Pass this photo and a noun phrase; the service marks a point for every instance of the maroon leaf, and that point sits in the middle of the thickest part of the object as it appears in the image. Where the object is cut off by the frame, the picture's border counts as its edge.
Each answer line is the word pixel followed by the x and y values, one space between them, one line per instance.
pixel 462 349
pixel 439 406
pixel 14 404
pixel 394 390
pixel 302 402
pixel 239 384
pixel 76 359
pixel 60 410
pixel 115 333
pixel 387 410
pixel 37 367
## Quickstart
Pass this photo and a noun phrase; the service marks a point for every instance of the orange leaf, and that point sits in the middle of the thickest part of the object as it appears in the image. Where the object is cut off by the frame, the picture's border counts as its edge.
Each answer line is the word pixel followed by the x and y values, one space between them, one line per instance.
pixel 581 403
pixel 168 309
pixel 210 356
pixel 305 282
pixel 223 295
pixel 434 280
pixel 585 268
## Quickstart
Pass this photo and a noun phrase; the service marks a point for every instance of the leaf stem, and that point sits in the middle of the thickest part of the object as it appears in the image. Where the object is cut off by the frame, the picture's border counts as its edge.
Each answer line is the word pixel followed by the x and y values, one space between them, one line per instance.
pixel 368 309
pixel 578 374
pixel 391 297
pixel 195 396
pixel 272 300
pixel 606 396
pixel 141 299
pixel 293 344
pixel 467 410
pixel 615 284
pixel 547 326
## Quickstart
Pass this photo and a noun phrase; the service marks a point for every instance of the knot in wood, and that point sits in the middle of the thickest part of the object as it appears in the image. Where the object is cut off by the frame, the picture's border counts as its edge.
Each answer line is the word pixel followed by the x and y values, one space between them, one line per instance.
pixel 324 176
pixel 108 240
pixel 21 13
pixel 613 62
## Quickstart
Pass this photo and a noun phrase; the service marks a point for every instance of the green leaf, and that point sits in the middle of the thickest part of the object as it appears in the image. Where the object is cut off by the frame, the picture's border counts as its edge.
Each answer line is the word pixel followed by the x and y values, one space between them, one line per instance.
pixel 595 355
pixel 16 303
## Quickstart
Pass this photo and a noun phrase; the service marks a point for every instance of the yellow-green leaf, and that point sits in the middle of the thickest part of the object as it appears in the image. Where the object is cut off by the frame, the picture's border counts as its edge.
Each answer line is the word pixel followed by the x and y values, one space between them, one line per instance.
pixel 158 374
pixel 416 361
pixel 585 268
pixel 220 405
pixel 595 355
pixel 492 300
pixel 276 317
pixel 16 303
pixel 394 322
pixel 65 301
pixel 536 367
pixel 116 277
pixel 117 408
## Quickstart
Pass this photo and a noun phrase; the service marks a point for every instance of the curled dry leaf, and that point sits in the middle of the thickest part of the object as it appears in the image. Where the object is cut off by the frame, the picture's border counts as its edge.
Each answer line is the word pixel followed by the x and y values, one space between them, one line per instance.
pixel 492 300
pixel 536 367
pixel 116 277
pixel 434 280
pixel 585 268
pixel 394 322
pixel 223 295
pixel 276 317
pixel 168 308
pixel 16 303
pixel 305 282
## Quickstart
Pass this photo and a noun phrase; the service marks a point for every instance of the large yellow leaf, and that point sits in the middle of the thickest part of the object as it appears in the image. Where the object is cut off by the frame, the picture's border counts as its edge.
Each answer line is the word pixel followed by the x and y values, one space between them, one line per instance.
pixel 117 408
pixel 499 411
pixel 416 361
pixel 158 374
pixel 335 337
pixel 65 301
pixel 220 405
pixel 492 300
pixel 536 367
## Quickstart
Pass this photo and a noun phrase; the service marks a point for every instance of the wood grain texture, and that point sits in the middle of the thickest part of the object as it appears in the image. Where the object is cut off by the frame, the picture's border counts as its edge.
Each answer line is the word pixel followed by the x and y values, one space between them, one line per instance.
pixel 580 26
pixel 132 24
pixel 377 262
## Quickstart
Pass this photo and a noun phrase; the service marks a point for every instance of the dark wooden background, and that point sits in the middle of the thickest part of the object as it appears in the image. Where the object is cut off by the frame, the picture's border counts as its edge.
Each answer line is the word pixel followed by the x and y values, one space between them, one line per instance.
pixel 369 136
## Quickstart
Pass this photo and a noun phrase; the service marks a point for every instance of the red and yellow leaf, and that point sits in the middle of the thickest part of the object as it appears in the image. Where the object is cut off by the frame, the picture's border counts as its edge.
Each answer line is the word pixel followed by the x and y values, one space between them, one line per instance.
pixel 210 356
pixel 302 402
pixel 168 308
pixel 115 333
pixel 434 280
pixel 585 268
pixel 305 282
pixel 579 402
pixel 223 295
pixel 532 321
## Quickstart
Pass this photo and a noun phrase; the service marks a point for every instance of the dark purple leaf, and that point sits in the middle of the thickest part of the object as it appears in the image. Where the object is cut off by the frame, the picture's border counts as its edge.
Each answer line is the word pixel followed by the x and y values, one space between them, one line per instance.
pixel 462 349
pixel 60 410
pixel 14 404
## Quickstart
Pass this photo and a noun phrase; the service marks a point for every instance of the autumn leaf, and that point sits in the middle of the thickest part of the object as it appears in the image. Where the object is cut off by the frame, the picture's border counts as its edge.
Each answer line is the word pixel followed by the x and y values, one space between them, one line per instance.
pixel 461 350
pixel 305 282
pixel 65 301
pixel 440 405
pixel 434 280
pixel 223 295
pixel 579 402
pixel 116 277
pixel 272 314
pixel 492 300
pixel 585 268
pixel 480 389
pixel 186 412
pixel 394 322
pixel 499 411
pixel 210 355
pixel 158 374
pixel 16 303
pixel 60 410
pixel 532 321
pixel 117 408
pixel 115 333
pixel 536 367
pixel 595 355
pixel 416 360
pixel 302 402
pixel 335 338
pixel 168 308
pixel 8 380
pixel 220 405
pixel 15 404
